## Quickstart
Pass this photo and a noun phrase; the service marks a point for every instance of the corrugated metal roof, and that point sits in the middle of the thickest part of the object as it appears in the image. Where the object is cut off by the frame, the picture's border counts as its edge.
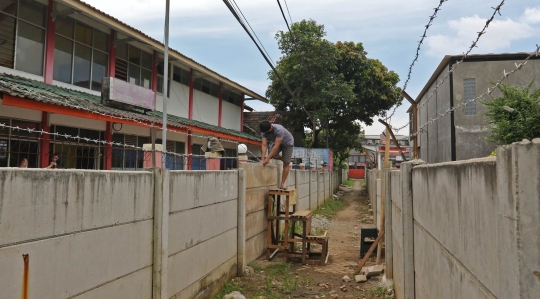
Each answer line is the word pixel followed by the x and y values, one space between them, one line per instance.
pixel 204 68
pixel 39 91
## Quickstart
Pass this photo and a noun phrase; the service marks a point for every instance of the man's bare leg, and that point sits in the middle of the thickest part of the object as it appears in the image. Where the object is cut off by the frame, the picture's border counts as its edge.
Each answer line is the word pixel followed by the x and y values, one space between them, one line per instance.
pixel 284 175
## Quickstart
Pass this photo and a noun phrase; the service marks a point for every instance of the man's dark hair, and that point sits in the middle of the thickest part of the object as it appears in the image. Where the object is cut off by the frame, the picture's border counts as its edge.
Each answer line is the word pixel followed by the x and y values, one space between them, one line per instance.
pixel 56 154
pixel 265 126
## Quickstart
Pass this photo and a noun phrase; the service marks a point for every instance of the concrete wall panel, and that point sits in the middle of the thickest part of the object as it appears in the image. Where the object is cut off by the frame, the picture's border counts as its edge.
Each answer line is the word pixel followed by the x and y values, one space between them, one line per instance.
pixel 192 227
pixel 255 223
pixel 37 203
pixel 136 285
pixel 76 263
pixel 190 265
pixel 255 246
pixel 191 189
pixel 256 199
pixel 259 176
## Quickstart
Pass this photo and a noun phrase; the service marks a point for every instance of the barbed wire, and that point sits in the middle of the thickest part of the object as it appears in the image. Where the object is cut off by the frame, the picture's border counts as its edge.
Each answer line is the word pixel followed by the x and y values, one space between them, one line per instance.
pixel 431 18
pixel 103 142
pixel 490 90
pixel 465 55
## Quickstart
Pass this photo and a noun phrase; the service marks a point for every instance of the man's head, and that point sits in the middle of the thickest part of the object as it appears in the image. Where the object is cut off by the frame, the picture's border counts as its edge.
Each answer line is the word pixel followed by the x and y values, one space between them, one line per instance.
pixel 265 126
pixel 55 157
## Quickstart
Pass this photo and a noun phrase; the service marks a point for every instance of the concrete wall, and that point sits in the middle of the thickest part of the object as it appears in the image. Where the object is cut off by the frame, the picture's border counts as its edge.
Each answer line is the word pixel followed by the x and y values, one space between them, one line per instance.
pixel 467 229
pixel 202 231
pixel 88 233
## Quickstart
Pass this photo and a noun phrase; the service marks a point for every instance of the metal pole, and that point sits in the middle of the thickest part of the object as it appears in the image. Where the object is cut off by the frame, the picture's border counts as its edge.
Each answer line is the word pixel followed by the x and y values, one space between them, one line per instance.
pixel 165 84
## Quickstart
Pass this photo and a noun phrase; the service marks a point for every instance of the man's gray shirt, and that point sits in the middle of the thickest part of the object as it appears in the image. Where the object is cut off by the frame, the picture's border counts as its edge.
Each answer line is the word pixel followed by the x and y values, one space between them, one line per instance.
pixel 279 132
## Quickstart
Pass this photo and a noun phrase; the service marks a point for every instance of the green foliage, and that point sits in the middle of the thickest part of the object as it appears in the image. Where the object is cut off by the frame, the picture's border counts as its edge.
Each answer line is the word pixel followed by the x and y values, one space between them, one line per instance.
pixel 336 83
pixel 349 183
pixel 330 207
pixel 522 123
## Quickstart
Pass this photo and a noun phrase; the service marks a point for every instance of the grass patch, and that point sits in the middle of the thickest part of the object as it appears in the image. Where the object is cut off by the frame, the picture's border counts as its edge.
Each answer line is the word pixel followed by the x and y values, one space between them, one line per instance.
pixel 349 183
pixel 330 207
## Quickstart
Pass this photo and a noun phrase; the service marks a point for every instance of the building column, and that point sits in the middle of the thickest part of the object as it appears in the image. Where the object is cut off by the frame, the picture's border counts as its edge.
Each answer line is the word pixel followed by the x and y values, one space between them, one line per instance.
pixel 189 151
pixel 49 45
pixel 190 107
pixel 112 54
pixel 108 147
pixel 154 76
pixel 220 109
pixel 242 116
pixel 44 141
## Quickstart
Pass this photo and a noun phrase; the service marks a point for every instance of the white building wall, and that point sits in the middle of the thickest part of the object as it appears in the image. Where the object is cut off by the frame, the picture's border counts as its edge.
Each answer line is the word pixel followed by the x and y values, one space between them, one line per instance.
pixel 77 122
pixel 19 113
pixel 205 108
pixel 231 116
pixel 178 103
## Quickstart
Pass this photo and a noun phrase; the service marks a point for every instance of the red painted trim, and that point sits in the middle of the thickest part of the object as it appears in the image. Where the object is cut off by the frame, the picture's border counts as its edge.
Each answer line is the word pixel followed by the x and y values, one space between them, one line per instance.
pixel 44 142
pixel 108 147
pixel 112 54
pixel 154 76
pixel 220 109
pixel 49 45
pixel 242 117
pixel 189 152
pixel 9 100
pixel 190 109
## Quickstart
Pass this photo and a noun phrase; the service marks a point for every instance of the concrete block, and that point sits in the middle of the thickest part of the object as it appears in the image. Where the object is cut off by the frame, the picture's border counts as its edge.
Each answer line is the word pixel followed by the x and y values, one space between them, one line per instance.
pixel 136 285
pixel 256 199
pixel 360 278
pixel 190 189
pixel 190 265
pixel 255 223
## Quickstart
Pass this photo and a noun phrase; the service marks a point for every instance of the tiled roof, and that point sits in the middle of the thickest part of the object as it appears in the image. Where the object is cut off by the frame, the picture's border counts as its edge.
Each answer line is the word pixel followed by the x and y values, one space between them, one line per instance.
pixel 39 91
pixel 253 119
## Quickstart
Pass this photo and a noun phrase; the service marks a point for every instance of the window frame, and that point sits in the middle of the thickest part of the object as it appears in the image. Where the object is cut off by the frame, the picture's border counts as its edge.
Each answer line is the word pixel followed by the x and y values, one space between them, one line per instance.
pixel 469 109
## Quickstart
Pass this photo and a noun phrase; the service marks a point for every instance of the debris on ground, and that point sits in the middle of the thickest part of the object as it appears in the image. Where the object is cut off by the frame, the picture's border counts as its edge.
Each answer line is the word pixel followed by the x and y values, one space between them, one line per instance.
pixel 346 278
pixel 248 270
pixel 360 278
pixel 234 295
pixel 319 222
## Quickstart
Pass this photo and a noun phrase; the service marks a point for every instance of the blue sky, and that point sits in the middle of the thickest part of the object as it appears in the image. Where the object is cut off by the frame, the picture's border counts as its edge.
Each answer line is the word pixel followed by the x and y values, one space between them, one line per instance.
pixel 389 29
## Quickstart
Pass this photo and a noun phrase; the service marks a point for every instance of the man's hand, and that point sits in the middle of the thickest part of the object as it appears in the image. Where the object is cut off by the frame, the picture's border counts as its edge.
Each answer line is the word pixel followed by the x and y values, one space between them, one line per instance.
pixel 265 161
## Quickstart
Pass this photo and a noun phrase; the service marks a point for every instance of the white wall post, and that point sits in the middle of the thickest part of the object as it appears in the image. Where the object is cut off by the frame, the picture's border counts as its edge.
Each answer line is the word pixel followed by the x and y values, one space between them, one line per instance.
pixel 161 233
pixel 241 224
pixel 388 255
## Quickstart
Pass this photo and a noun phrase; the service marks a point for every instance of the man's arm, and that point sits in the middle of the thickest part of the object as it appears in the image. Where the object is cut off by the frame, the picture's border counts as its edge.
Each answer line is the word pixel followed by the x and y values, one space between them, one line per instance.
pixel 264 148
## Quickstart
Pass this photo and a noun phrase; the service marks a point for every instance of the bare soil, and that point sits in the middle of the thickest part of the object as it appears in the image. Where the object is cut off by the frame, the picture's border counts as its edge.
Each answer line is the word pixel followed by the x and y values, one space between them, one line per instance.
pixel 277 279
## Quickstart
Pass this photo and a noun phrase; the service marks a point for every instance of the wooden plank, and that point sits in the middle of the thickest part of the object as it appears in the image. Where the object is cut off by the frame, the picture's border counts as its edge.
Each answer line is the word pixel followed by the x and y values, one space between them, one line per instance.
pixel 370 251
pixel 302 213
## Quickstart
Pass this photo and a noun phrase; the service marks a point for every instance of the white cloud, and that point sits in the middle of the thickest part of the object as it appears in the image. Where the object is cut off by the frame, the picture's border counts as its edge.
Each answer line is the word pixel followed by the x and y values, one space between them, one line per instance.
pixel 499 36
pixel 532 15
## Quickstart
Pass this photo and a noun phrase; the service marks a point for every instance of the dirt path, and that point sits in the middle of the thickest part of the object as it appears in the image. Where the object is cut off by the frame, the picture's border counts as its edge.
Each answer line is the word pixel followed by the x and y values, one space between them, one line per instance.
pixel 276 279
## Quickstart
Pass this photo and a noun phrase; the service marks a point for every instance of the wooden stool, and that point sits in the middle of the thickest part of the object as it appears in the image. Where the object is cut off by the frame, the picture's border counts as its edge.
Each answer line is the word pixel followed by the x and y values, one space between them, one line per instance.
pixel 274 216
pixel 303 216
pixel 324 254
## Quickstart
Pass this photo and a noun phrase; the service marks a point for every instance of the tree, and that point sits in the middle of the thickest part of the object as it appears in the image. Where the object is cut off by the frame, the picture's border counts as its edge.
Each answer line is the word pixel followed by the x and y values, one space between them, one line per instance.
pixel 335 86
pixel 515 115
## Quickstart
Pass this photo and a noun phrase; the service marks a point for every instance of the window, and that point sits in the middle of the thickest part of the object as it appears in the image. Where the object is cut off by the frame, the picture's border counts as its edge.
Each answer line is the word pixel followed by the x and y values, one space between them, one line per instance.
pixel 133 65
pixel 232 97
pixel 370 141
pixel 77 153
pixel 229 163
pixel 22 35
pixel 127 158
pixel 197 163
pixel 208 87
pixel 16 145
pixel 81 54
pixel 469 94
pixel 174 162
pixel 160 70
pixel 180 75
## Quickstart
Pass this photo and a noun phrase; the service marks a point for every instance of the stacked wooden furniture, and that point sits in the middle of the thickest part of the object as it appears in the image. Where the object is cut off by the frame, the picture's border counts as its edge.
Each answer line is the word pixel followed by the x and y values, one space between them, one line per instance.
pixel 290 218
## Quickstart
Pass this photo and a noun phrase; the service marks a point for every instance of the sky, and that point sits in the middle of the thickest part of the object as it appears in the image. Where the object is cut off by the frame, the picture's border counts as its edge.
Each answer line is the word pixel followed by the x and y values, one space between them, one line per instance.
pixel 206 31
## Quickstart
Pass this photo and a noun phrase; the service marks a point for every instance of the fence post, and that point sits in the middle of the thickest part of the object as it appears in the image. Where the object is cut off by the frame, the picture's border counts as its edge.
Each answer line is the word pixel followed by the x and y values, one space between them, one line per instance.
pixel 161 233
pixel 241 223
pixel 388 255
pixel 408 227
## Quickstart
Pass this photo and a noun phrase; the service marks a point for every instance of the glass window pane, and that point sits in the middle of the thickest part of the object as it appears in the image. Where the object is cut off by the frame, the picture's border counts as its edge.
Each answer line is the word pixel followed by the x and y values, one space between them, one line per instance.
pixel 101 41
pixel 469 94
pixel 24 125
pixel 3 152
pixel 89 134
pixel 134 55
pixel 7 41
pixel 121 51
pixel 63 54
pixel 83 34
pixel 134 74
pixel 66 130
pixel 146 78
pixel 146 60
pixel 185 77
pixel 81 69
pixel 30 42
pixel 33 12
pixel 64 26
pixel 23 149
pixel 9 7
pixel 99 69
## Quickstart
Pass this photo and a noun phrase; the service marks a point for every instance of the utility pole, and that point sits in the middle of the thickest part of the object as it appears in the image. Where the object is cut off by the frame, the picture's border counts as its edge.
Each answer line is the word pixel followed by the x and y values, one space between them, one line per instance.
pixel 165 86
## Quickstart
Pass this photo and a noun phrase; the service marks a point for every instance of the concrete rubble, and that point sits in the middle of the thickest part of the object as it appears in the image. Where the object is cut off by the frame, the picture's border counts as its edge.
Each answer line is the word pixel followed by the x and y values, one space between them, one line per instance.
pixel 234 295
pixel 346 278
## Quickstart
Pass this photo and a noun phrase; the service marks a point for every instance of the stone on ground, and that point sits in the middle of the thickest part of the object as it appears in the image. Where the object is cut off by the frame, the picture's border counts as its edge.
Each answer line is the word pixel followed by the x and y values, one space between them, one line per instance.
pixel 360 278
pixel 346 278
pixel 234 295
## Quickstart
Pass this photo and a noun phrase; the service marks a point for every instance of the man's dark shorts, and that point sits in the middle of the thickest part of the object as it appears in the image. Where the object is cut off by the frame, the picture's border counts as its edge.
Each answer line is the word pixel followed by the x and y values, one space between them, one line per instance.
pixel 286 154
